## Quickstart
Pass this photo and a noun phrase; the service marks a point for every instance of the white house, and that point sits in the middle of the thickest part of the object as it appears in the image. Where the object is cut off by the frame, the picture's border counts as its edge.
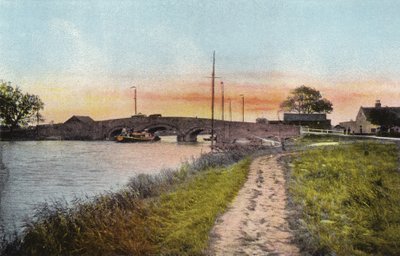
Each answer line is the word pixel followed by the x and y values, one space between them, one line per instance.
pixel 362 123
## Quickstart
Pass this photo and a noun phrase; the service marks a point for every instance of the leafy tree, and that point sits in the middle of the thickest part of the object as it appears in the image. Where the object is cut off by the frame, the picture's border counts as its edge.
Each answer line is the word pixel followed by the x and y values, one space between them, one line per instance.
pixel 18 108
pixel 385 117
pixel 261 120
pixel 306 100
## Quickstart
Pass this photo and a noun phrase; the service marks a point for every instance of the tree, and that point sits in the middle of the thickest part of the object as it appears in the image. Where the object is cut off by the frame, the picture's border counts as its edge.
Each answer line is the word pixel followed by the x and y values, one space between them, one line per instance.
pixel 261 120
pixel 306 100
pixel 18 108
pixel 386 118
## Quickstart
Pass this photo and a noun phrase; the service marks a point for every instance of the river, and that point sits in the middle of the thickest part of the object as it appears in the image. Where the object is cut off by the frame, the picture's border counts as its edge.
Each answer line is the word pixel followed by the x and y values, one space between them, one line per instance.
pixel 32 172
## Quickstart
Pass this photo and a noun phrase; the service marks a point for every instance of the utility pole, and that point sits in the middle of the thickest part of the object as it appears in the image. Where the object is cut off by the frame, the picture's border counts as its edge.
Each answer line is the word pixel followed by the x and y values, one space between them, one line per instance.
pixel 135 98
pixel 230 109
pixel 230 118
pixel 223 110
pixel 222 101
pixel 242 107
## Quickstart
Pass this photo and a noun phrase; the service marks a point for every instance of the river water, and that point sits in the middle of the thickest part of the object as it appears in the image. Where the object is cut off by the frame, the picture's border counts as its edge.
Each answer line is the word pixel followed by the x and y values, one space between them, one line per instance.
pixel 32 172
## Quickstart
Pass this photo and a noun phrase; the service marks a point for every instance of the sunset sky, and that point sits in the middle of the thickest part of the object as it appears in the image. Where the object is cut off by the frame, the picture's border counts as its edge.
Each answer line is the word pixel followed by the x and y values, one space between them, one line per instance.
pixel 82 57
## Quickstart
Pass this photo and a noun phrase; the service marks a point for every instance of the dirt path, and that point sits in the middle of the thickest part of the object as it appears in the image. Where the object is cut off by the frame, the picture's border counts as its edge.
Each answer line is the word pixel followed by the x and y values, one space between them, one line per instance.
pixel 256 222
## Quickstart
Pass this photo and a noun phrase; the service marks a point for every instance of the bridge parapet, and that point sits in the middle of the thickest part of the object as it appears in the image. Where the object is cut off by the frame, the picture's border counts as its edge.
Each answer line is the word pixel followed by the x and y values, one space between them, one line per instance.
pixel 186 128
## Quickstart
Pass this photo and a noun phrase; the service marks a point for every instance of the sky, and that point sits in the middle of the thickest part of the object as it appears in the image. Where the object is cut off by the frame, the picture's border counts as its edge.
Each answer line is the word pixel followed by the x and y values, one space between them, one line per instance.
pixel 82 57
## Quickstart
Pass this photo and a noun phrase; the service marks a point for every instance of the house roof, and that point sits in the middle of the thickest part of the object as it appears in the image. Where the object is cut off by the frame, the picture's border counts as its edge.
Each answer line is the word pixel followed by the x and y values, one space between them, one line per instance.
pixel 338 126
pixel 83 119
pixel 347 123
pixel 292 117
pixel 367 111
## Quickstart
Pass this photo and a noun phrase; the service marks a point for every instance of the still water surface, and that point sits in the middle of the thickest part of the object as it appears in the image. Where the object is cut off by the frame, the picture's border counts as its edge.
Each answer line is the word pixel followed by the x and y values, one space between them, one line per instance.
pixel 32 172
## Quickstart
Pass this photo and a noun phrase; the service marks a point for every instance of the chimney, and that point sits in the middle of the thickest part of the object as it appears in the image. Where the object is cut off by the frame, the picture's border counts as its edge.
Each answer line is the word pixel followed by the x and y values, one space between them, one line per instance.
pixel 377 103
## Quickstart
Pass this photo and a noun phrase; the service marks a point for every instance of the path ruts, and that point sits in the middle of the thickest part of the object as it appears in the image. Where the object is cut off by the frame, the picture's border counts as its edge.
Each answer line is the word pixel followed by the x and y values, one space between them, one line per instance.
pixel 256 222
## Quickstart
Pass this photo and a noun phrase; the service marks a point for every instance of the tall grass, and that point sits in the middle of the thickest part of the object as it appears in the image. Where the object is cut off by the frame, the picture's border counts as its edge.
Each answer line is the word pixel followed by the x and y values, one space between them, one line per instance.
pixel 169 213
pixel 349 198
pixel 185 216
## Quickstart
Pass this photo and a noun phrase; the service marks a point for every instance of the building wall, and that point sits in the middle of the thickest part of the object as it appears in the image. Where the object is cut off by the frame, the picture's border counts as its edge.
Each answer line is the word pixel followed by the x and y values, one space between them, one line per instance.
pixel 362 122
pixel 349 126
pixel 326 124
pixel 256 131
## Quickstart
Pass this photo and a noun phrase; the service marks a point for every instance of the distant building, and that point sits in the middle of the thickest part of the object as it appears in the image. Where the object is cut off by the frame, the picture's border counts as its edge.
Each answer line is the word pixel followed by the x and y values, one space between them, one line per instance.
pixel 318 121
pixel 339 128
pixel 349 126
pixel 80 119
pixel 362 123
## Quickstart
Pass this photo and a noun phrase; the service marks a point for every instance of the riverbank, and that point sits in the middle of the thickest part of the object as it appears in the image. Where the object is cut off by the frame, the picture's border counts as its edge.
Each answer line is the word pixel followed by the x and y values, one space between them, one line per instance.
pixel 37 171
pixel 173 212
pixel 347 199
pixel 341 199
pixel 337 198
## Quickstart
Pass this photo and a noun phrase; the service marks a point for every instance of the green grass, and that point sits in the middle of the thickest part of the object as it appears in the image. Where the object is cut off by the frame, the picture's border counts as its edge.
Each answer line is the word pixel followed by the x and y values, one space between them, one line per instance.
pixel 168 214
pixel 185 217
pixel 313 138
pixel 349 198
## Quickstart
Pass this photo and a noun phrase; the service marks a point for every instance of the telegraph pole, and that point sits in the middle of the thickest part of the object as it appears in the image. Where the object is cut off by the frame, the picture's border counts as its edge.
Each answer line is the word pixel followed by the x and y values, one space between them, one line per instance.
pixel 223 110
pixel 242 107
pixel 222 106
pixel 230 118
pixel 134 87
pixel 230 109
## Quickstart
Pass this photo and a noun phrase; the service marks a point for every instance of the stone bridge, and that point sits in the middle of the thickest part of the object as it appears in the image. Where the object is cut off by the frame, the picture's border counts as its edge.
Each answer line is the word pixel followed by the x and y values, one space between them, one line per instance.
pixel 185 128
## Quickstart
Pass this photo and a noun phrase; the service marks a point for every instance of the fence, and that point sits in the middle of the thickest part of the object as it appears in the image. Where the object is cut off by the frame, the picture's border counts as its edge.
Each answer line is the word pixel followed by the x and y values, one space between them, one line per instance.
pixel 306 130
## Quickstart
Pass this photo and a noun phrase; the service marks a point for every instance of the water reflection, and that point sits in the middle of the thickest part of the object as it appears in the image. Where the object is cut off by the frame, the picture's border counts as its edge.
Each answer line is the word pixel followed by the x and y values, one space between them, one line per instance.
pixel 35 171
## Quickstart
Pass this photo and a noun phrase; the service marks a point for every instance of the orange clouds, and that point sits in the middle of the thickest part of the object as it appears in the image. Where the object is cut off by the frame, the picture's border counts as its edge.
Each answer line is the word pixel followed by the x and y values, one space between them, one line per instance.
pixel 184 96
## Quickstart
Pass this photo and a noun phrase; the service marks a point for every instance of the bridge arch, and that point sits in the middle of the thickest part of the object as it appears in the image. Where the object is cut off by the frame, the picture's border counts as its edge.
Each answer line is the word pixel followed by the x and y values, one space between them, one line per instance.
pixel 114 131
pixel 191 134
pixel 160 127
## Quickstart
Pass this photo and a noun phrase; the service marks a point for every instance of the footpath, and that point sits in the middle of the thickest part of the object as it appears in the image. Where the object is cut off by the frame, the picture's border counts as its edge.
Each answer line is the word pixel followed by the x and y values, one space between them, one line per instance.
pixel 256 223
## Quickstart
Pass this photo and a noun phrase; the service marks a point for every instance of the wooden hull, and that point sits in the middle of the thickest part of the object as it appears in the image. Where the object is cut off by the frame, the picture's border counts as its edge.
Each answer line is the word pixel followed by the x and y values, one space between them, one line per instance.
pixel 209 139
pixel 128 139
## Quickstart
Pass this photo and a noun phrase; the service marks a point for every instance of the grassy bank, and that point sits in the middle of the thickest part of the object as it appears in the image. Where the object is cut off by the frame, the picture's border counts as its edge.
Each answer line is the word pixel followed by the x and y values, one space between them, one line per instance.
pixel 349 199
pixel 171 213
pixel 185 216
pixel 312 138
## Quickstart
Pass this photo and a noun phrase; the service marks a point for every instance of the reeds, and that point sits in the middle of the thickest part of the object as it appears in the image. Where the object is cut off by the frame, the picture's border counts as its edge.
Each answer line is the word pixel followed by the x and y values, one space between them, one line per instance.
pixel 169 213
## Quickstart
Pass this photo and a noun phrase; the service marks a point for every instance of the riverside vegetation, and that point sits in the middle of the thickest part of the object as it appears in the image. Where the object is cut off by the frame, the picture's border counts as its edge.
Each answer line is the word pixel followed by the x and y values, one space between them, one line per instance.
pixel 167 214
pixel 348 199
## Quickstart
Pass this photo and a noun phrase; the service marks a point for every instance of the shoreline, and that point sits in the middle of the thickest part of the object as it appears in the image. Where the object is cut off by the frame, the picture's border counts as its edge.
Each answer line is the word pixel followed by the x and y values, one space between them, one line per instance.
pixel 263 218
pixel 57 220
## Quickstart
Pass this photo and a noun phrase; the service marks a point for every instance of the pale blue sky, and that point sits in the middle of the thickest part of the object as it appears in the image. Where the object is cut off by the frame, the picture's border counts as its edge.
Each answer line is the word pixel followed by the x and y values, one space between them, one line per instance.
pixel 350 49
pixel 326 38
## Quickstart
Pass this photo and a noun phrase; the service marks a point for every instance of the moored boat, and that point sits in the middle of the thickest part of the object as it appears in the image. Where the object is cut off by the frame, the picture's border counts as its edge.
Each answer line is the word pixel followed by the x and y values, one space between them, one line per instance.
pixel 210 138
pixel 137 137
